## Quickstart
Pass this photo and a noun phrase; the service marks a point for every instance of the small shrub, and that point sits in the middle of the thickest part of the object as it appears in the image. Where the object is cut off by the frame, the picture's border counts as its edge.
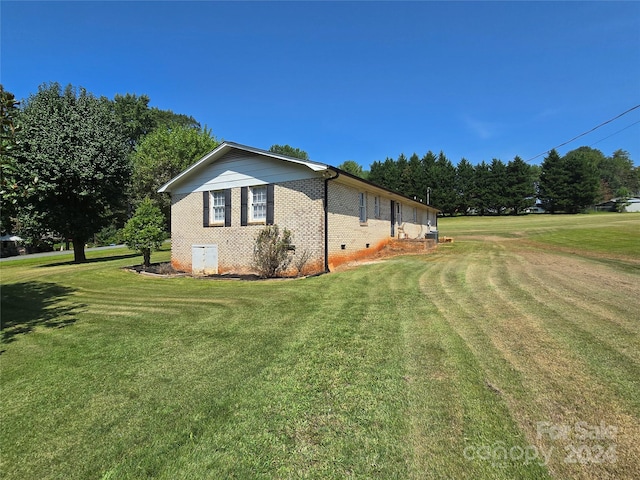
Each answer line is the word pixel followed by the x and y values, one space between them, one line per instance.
pixel 271 251
pixel 301 260
pixel 165 269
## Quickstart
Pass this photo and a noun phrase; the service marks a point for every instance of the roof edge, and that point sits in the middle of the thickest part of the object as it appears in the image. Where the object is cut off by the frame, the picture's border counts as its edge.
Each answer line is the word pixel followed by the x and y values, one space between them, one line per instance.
pixel 224 147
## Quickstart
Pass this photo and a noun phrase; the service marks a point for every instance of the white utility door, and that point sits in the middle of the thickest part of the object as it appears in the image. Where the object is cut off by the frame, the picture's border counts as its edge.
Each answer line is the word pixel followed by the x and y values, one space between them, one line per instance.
pixel 204 259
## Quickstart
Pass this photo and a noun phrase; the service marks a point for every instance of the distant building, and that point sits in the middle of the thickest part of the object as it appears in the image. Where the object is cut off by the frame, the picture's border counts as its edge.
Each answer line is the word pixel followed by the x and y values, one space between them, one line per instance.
pixel 631 204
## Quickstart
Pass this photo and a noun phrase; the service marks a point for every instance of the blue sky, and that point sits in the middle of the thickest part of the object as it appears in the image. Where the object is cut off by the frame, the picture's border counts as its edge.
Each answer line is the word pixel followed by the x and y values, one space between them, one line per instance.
pixel 351 80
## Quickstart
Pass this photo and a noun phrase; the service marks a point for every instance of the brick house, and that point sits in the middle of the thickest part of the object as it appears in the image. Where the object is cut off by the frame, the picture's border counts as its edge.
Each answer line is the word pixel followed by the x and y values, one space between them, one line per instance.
pixel 221 202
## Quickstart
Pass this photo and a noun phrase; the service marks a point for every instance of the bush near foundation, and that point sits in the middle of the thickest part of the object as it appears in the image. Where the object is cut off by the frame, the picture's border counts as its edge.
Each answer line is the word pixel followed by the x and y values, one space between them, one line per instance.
pixel 271 251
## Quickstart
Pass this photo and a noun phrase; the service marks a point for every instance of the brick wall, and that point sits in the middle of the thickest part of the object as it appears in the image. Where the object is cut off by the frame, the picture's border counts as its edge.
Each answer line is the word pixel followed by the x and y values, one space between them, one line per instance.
pixel 298 206
pixel 349 239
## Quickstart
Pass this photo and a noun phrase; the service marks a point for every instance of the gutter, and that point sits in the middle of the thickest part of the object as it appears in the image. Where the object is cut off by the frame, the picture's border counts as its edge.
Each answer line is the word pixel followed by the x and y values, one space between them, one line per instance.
pixel 326 220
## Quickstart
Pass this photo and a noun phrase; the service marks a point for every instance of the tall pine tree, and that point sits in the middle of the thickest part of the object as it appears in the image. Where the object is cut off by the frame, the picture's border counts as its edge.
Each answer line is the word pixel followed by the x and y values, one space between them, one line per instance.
pixel 520 187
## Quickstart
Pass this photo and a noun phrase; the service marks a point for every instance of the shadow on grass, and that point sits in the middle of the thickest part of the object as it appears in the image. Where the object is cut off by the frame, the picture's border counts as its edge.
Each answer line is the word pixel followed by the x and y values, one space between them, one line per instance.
pixel 30 304
pixel 92 260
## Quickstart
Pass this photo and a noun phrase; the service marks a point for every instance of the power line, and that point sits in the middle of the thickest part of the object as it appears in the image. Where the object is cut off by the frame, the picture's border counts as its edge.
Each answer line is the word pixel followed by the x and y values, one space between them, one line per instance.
pixel 585 133
pixel 615 133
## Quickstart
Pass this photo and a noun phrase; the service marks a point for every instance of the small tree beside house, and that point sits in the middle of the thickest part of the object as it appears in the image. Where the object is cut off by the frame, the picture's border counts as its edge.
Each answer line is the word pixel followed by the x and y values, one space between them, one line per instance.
pixel 144 231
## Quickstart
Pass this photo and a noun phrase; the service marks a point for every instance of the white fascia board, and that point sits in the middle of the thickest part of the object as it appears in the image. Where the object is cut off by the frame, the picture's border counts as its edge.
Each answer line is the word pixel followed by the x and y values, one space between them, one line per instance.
pixel 224 148
pixel 213 153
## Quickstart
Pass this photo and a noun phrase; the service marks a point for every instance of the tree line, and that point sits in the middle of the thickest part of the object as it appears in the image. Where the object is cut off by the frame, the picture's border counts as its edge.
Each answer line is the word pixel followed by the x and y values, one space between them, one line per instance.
pixel 75 165
pixel 568 184
pixel 79 167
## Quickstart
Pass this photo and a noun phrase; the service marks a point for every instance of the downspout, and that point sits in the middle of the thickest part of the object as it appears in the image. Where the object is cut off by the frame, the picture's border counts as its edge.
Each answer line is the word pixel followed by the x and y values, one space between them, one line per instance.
pixel 326 221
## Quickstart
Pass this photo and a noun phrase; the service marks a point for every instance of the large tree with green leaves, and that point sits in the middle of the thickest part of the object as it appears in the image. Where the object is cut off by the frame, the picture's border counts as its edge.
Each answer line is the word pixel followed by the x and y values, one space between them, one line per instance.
pixel 352 167
pixel 163 154
pixel 10 185
pixel 289 151
pixel 617 174
pixel 74 153
pixel 138 119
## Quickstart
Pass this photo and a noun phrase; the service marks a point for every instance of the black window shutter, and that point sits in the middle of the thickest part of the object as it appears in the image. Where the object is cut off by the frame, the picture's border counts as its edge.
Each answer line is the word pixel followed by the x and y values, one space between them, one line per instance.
pixel 270 189
pixel 205 209
pixel 227 207
pixel 244 195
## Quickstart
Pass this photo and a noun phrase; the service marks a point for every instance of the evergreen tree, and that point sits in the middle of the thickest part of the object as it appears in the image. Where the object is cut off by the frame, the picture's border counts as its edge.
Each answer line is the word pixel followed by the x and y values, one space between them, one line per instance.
pixel 497 190
pixel 520 186
pixel 428 175
pixel 581 166
pixel 417 187
pixel 444 193
pixel 464 186
pixel 553 182
pixel 403 184
pixel 571 183
pixel 144 231
pixel 481 193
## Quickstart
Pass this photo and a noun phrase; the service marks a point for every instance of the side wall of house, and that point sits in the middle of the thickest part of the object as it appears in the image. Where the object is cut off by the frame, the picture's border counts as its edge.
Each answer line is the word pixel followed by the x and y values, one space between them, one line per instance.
pixel 298 206
pixel 350 239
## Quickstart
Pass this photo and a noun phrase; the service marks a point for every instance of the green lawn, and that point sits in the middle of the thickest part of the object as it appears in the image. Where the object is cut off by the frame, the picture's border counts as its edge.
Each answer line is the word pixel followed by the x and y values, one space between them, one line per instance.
pixel 437 366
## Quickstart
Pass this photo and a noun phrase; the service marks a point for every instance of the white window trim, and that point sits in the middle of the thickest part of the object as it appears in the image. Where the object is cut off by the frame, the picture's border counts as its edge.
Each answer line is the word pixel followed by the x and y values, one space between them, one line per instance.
pixel 213 207
pixel 250 204
pixel 362 207
pixel 376 206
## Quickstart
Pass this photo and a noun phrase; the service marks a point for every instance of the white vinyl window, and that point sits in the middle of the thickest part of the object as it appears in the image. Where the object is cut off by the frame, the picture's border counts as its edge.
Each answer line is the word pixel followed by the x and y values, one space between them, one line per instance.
pixel 376 207
pixel 363 207
pixel 258 203
pixel 217 206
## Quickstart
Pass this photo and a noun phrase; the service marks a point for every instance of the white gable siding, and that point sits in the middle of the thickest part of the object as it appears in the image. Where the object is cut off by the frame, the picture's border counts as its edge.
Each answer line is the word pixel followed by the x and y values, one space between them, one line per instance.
pixel 242 169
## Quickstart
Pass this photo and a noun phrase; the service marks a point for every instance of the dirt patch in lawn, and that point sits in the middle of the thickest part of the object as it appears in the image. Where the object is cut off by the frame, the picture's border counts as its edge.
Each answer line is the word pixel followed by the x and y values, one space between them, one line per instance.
pixel 392 249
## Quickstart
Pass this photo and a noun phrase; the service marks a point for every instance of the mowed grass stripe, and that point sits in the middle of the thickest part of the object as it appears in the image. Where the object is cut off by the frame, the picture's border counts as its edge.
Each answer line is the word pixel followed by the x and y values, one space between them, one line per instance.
pixel 318 419
pixel 589 337
pixel 512 327
pixel 462 392
pixel 609 377
pixel 588 284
